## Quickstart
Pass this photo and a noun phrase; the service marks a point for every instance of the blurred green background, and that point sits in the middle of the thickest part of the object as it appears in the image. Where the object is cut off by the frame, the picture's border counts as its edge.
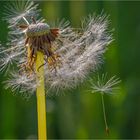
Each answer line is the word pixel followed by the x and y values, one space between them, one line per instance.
pixel 78 114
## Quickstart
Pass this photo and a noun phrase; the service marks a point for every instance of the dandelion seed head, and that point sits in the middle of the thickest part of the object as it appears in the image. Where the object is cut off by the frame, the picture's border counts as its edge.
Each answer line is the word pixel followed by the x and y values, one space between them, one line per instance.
pixel 70 54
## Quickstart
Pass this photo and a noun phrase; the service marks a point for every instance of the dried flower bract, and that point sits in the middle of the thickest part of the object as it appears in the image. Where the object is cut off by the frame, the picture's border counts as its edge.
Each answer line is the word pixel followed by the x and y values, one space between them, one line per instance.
pixel 39 37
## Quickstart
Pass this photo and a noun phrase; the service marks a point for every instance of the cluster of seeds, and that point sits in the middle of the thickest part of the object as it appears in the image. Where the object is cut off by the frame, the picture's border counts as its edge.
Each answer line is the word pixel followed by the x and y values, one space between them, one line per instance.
pixel 70 54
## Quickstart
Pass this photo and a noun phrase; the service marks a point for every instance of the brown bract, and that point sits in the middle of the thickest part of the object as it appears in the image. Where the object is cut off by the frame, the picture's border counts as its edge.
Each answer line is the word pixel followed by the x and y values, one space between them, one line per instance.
pixel 39 37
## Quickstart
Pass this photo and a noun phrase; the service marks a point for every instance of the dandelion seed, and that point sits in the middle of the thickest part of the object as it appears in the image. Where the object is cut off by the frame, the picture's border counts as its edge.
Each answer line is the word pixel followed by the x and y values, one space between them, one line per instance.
pixel 15 11
pixel 21 83
pixel 104 86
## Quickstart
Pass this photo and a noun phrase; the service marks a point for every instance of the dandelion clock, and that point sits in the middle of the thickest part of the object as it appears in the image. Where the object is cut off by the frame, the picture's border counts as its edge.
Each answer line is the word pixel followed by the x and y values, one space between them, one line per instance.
pixel 43 58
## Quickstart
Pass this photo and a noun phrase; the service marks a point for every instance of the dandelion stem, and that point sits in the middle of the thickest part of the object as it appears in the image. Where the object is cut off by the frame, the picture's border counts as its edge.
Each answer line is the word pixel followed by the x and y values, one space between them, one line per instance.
pixel 104 113
pixel 41 102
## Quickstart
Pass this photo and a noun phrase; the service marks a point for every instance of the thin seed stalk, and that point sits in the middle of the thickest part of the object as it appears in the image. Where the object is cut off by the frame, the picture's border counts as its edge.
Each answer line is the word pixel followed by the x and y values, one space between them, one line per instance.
pixel 104 113
pixel 41 101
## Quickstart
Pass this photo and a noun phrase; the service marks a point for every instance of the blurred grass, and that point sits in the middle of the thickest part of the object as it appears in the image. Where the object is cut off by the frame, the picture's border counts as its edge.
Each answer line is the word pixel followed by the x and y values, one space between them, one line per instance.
pixel 79 114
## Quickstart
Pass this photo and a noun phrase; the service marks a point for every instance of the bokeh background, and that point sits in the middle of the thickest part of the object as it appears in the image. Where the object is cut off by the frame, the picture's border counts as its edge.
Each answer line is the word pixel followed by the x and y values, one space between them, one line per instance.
pixel 78 114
